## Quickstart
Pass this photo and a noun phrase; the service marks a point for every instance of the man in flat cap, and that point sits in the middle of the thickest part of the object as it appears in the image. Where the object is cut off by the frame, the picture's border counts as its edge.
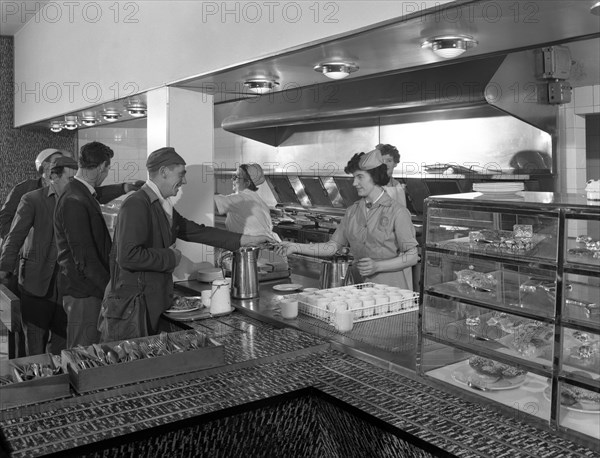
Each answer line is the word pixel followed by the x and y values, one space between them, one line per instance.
pixel 147 226
pixel 43 318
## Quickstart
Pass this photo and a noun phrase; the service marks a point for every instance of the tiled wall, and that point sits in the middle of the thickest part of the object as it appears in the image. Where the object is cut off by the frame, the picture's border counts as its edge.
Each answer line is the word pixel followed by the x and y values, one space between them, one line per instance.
pixel 571 135
pixel 129 142
pixel 19 147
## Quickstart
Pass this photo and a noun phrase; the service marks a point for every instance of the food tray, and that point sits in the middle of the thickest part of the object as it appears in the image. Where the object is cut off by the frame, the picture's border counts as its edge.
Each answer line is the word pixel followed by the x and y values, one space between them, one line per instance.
pixel 32 391
pixel 321 304
pixel 210 354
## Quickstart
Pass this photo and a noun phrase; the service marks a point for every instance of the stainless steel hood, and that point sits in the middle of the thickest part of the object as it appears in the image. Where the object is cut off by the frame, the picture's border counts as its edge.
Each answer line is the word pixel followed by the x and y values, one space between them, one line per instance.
pixel 491 86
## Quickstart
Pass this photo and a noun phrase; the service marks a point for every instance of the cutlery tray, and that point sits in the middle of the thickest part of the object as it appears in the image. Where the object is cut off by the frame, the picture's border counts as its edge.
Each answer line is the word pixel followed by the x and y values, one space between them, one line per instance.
pixel 210 354
pixel 31 391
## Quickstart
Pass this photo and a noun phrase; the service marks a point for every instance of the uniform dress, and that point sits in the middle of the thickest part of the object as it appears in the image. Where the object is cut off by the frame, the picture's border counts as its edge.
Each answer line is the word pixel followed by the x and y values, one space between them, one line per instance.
pixel 395 190
pixel 379 233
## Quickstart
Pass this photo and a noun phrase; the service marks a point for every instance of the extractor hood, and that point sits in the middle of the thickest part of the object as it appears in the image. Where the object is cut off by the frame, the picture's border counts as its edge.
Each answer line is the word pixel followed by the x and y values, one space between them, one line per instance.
pixel 491 86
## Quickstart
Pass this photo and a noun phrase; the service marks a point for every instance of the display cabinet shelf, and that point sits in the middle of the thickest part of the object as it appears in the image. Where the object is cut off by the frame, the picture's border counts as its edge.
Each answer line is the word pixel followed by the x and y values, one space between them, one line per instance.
pixel 509 311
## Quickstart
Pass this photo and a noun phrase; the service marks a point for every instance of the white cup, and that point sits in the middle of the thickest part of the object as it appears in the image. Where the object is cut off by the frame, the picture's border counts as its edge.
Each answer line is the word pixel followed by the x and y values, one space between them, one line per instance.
pixel 205 295
pixel 289 309
pixel 220 301
pixel 368 308
pixel 343 320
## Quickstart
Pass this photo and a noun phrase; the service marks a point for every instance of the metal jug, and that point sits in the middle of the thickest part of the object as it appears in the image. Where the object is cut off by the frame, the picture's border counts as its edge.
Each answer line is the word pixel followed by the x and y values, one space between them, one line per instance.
pixel 244 273
pixel 336 272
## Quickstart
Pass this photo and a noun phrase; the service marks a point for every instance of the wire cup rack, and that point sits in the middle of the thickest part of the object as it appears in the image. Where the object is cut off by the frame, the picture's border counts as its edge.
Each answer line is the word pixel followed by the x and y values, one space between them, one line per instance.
pixel 367 301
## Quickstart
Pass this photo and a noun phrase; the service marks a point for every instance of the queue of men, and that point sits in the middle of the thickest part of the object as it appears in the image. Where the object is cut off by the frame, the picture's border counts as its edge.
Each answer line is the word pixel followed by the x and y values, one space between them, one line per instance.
pixel 65 255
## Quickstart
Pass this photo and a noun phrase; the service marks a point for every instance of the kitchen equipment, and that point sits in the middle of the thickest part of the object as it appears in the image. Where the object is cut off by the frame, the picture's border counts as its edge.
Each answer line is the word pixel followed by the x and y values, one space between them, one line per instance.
pixel 336 272
pixel 244 273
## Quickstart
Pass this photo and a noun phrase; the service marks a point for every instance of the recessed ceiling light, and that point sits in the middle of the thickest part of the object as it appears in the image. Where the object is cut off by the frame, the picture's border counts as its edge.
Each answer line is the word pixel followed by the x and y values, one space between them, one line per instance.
pixel 261 85
pixel 449 46
pixel 111 114
pixel 71 123
pixel 89 119
pixel 136 108
pixel 55 126
pixel 336 70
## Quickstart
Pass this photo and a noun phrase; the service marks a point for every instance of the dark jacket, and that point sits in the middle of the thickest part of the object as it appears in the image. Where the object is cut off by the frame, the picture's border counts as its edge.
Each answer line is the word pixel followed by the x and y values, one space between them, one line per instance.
pixel 33 230
pixel 9 209
pixel 141 244
pixel 83 243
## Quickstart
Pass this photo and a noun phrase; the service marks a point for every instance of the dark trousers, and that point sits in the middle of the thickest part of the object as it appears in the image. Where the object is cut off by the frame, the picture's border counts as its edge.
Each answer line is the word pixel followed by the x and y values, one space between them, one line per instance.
pixel 44 324
pixel 16 338
pixel 82 315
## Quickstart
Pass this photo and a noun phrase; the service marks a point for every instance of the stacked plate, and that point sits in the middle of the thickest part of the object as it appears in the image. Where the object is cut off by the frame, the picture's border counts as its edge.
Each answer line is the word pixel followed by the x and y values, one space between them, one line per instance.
pixel 502 187
pixel 208 274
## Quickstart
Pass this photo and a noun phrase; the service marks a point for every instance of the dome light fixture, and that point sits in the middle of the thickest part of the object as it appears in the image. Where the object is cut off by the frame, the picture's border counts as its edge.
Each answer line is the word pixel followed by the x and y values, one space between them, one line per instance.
pixel 261 85
pixel 136 108
pixel 70 123
pixel 111 114
pixel 449 46
pixel 89 119
pixel 336 70
pixel 56 126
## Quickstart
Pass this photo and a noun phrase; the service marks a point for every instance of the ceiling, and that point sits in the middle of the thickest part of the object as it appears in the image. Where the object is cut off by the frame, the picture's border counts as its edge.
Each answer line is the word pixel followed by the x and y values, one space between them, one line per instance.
pixel 395 46
pixel 16 14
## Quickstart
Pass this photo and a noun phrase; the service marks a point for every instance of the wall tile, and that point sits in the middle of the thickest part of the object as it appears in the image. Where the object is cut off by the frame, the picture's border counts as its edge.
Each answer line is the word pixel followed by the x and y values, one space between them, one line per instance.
pixel 584 96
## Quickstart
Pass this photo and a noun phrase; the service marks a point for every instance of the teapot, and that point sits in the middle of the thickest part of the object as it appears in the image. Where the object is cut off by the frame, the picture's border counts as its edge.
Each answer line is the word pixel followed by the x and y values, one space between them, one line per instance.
pixel 336 272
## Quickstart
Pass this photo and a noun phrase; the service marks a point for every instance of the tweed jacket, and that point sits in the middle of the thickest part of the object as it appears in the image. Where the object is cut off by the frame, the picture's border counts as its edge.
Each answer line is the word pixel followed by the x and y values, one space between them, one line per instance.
pixel 142 239
pixel 83 243
pixel 32 229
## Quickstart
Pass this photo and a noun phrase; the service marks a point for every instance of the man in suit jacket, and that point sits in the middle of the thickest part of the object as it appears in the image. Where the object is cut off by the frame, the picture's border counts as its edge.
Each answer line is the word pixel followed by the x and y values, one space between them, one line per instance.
pixel 145 233
pixel 84 244
pixel 43 318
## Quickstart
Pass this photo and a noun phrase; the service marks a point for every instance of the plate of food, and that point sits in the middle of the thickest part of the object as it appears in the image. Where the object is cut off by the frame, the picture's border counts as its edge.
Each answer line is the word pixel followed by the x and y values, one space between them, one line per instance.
pixel 185 304
pixel 287 287
pixel 489 375
pixel 577 399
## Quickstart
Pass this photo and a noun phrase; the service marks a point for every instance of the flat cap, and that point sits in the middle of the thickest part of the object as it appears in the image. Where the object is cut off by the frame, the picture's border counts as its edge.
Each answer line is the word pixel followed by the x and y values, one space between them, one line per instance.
pixel 370 160
pixel 163 157
pixel 64 161
pixel 255 172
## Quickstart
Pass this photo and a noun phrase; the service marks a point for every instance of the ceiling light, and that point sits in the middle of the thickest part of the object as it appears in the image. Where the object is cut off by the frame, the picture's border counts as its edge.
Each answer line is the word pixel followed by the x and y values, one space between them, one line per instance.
pixel 261 85
pixel 136 108
pixel 450 46
pixel 111 115
pixel 336 70
pixel 89 119
pixel 595 9
pixel 55 126
pixel 70 123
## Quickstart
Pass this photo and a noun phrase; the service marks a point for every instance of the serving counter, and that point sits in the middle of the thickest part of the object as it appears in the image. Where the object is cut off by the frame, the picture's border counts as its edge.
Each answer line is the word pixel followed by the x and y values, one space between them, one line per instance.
pixel 288 388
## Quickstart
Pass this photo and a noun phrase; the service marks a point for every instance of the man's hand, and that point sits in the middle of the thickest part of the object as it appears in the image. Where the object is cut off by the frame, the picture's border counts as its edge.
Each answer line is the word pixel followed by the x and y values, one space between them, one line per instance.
pixel 252 240
pixel 128 187
pixel 177 254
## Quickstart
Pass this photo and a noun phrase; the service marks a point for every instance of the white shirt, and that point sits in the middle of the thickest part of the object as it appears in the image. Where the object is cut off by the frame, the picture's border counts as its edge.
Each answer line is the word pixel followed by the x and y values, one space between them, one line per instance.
pixel 246 213
pixel 166 204
pixel 87 185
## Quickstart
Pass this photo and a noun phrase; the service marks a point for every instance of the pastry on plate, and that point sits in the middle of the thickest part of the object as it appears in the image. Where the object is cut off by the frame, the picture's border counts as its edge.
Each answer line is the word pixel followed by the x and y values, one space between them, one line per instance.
pixel 493 369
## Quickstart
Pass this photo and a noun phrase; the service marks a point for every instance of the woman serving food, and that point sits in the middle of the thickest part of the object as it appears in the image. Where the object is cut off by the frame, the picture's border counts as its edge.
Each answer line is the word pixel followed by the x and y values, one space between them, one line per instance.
pixel 378 229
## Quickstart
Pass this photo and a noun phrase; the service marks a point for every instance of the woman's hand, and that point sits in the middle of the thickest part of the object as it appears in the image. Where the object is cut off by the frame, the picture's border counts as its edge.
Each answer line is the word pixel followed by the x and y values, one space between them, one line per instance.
pixel 285 248
pixel 253 240
pixel 366 267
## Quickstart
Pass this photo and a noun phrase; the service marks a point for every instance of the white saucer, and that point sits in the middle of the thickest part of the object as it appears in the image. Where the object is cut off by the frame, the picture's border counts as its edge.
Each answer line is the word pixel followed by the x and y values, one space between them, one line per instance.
pixel 287 287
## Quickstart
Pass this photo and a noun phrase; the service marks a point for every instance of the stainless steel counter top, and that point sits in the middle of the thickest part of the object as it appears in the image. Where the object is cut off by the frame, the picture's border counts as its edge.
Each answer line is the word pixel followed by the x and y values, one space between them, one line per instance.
pixel 387 342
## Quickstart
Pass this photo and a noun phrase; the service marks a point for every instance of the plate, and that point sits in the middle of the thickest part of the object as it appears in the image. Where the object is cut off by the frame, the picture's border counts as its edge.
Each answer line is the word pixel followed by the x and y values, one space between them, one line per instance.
pixel 468 374
pixel 287 287
pixel 572 408
pixel 181 310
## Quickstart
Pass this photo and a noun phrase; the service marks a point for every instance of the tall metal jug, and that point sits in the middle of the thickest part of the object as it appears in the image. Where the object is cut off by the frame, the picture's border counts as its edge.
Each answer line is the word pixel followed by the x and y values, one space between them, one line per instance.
pixel 244 273
pixel 336 272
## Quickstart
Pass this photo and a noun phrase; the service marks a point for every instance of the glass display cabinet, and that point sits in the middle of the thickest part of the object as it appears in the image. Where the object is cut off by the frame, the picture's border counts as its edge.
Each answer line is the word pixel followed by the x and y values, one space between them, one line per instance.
pixel 509 310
